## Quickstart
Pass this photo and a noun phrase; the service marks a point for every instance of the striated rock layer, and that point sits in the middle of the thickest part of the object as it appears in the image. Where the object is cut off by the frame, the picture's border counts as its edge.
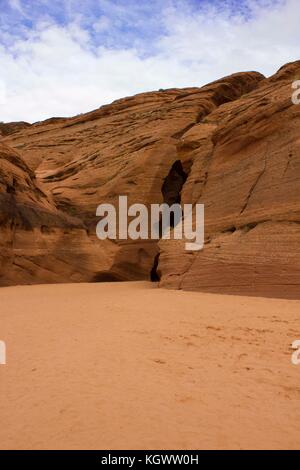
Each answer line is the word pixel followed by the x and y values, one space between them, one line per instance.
pixel 12 127
pixel 232 145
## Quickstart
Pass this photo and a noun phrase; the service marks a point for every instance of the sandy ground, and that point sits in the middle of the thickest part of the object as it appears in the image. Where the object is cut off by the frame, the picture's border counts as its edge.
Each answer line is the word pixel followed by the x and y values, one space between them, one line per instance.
pixel 130 366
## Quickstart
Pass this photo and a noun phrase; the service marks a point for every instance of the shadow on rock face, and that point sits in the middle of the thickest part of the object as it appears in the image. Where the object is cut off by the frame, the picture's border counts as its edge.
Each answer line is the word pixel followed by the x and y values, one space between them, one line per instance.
pixel 106 277
pixel 155 274
pixel 173 184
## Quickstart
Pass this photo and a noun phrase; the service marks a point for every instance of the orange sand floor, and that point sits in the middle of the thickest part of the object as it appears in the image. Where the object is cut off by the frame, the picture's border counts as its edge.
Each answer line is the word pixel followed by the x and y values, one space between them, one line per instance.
pixel 130 366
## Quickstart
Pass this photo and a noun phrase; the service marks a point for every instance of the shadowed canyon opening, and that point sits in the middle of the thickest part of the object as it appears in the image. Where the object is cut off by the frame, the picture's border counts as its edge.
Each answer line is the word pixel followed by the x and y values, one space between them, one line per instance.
pixel 133 258
pixel 171 191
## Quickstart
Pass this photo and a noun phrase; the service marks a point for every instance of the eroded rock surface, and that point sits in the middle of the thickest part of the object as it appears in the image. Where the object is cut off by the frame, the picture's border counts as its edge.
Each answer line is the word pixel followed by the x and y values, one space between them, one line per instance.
pixel 232 145
pixel 246 170
pixel 12 127
pixel 39 243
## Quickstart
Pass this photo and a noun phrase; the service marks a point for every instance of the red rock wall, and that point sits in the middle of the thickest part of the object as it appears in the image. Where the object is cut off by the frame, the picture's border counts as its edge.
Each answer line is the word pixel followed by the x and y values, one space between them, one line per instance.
pixel 237 141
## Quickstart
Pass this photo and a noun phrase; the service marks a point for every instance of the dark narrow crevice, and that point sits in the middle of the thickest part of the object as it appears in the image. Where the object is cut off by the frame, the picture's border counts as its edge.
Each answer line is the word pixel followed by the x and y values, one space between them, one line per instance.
pixel 172 187
pixel 171 191
pixel 11 188
pixel 155 274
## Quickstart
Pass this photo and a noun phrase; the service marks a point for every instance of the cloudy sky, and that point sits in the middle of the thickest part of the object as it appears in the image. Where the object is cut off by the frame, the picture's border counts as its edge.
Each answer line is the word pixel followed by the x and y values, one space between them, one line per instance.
pixel 64 57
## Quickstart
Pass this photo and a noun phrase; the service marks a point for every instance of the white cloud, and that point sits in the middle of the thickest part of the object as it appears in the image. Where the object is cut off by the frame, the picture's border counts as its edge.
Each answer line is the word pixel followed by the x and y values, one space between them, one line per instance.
pixel 3 96
pixel 58 70
pixel 103 24
pixel 16 5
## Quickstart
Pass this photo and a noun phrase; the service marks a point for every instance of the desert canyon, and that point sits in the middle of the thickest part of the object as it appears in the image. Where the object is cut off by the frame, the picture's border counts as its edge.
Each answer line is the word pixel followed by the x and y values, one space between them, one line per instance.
pixel 108 359
pixel 232 145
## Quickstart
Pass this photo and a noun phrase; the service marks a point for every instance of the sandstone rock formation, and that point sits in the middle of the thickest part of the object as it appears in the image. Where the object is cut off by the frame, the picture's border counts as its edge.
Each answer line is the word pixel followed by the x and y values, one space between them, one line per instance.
pixel 11 127
pixel 246 169
pixel 39 243
pixel 232 145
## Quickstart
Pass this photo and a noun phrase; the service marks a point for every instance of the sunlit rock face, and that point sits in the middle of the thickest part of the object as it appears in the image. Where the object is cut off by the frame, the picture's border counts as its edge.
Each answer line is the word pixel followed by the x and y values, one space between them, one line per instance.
pixel 232 145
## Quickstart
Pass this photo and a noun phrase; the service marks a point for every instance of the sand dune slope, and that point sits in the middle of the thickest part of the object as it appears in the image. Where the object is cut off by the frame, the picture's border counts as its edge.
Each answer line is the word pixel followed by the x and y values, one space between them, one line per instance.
pixel 129 366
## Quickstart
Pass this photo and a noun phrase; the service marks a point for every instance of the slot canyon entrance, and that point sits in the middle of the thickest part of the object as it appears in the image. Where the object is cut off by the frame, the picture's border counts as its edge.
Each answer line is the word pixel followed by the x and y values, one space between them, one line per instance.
pixel 172 187
pixel 171 191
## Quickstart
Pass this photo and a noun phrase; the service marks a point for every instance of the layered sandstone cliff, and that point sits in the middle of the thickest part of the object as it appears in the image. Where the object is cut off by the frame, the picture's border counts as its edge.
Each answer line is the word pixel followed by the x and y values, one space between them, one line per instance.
pixel 232 145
